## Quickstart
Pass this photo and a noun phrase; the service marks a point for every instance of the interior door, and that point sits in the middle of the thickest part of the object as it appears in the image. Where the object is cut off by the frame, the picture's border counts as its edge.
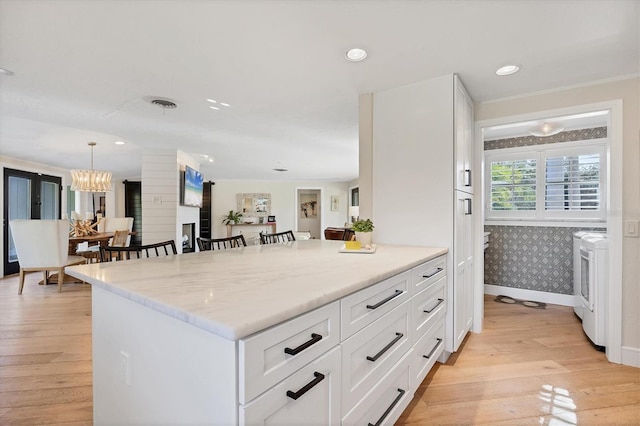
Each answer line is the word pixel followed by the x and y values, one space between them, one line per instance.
pixel 27 196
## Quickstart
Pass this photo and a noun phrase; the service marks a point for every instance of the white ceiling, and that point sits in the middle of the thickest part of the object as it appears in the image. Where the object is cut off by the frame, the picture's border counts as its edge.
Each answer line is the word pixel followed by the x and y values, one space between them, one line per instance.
pixel 85 70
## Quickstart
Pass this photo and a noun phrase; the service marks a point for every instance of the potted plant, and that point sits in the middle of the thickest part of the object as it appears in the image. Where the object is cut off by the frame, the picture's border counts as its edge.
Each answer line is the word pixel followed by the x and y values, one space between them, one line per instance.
pixel 363 229
pixel 232 217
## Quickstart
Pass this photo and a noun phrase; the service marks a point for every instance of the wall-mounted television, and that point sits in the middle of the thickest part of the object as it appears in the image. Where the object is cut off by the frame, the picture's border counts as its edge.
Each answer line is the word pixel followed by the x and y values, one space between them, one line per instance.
pixel 192 185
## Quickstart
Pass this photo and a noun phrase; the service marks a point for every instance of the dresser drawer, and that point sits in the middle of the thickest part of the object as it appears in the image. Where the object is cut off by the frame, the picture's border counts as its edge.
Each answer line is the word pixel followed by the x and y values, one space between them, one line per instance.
pixel 311 395
pixel 428 273
pixel 426 352
pixel 269 356
pixel 369 354
pixel 364 307
pixel 384 404
pixel 429 306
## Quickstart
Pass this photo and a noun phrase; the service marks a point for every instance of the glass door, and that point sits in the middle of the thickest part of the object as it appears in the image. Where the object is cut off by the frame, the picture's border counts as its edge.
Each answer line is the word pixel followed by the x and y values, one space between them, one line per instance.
pixel 27 196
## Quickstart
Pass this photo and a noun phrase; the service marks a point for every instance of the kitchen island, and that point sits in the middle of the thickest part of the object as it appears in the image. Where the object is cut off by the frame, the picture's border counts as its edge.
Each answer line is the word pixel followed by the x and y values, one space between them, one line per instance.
pixel 194 338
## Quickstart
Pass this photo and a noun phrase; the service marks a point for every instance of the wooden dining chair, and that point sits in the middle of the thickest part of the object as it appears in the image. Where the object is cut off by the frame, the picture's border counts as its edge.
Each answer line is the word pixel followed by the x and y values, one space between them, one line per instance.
pixel 164 248
pixel 278 237
pixel 205 244
pixel 120 238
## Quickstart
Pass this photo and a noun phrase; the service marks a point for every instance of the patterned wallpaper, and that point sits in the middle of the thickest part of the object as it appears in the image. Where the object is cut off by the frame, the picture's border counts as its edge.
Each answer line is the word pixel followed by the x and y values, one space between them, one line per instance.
pixel 568 136
pixel 531 257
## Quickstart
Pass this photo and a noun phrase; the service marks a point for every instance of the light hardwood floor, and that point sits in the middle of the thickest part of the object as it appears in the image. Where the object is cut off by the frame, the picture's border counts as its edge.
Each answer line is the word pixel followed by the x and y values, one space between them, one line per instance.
pixel 528 367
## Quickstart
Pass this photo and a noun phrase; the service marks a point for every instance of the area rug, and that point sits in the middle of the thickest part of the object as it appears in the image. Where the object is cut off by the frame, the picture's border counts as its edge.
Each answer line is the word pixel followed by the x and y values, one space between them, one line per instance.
pixel 527 303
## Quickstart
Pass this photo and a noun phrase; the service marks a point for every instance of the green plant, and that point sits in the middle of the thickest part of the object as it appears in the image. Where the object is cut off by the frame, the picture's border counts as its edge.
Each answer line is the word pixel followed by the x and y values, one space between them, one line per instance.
pixel 362 225
pixel 232 216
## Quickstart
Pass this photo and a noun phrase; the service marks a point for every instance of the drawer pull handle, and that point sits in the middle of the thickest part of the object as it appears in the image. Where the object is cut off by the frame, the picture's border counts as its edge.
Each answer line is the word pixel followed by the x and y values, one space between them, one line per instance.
pixel 386 348
pixel 386 413
pixel 433 350
pixel 382 302
pixel 315 338
pixel 437 271
pixel 467 175
pixel 306 388
pixel 432 309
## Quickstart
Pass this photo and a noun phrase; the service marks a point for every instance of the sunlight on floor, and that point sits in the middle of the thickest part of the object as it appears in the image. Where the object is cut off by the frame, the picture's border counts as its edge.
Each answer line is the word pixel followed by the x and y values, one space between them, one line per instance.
pixel 559 405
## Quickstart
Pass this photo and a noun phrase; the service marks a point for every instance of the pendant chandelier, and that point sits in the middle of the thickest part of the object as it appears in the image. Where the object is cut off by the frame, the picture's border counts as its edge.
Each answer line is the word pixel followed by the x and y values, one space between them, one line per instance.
pixel 91 180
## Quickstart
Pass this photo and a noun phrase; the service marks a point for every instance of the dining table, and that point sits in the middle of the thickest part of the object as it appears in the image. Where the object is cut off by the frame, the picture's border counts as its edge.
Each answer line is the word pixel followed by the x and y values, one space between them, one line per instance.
pixel 101 239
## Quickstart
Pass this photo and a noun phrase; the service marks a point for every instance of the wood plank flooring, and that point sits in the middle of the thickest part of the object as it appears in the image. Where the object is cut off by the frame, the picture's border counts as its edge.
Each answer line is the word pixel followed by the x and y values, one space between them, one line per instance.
pixel 529 366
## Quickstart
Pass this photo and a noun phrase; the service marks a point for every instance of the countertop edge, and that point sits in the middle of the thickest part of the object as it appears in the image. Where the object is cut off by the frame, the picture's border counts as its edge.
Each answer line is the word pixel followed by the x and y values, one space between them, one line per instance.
pixel 239 332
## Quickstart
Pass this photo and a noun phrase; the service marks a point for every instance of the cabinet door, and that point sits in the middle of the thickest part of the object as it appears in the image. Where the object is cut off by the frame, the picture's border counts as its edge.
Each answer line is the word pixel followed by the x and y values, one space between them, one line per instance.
pixel 463 135
pixel 463 266
pixel 311 396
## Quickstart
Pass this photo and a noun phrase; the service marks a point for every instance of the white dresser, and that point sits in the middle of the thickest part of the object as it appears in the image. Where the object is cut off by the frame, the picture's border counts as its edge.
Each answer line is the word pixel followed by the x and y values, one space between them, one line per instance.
pixel 354 355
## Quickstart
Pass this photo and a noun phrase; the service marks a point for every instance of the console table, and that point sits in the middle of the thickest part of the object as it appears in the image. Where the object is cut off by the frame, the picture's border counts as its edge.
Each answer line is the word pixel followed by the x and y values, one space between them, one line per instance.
pixel 270 226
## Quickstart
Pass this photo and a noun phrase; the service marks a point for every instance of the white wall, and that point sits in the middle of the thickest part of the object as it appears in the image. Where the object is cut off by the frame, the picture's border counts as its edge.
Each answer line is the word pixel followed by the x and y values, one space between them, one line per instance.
pixel 162 214
pixel 628 90
pixel 283 201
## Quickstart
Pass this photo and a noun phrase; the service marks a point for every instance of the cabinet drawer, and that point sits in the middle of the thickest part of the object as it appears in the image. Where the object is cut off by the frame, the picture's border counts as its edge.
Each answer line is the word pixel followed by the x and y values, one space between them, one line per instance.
pixel 429 306
pixel 269 356
pixel 312 395
pixel 426 352
pixel 428 273
pixel 364 307
pixel 371 352
pixel 387 400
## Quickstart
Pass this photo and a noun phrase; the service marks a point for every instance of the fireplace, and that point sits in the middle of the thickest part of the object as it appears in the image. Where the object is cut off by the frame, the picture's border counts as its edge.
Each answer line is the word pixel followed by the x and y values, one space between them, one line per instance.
pixel 188 237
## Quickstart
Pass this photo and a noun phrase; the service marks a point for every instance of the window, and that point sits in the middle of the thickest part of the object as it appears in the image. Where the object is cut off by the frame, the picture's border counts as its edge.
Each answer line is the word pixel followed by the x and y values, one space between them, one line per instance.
pixel 513 185
pixel 560 181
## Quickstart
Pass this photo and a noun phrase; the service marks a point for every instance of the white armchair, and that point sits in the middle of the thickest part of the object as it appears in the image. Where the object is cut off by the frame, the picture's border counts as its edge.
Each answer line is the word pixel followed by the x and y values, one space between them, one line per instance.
pixel 113 224
pixel 43 245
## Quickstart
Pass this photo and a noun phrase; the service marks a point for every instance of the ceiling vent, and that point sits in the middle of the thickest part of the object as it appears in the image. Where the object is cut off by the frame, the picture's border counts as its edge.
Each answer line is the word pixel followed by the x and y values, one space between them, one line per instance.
pixel 164 103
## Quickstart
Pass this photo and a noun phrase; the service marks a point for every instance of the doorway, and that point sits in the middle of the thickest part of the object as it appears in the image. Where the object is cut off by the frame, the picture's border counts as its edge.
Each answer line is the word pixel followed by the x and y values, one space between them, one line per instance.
pixel 27 196
pixel 308 215
pixel 611 199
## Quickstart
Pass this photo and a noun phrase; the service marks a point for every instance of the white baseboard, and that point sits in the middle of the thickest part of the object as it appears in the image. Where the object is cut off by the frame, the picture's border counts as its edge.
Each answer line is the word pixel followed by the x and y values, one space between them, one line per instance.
pixel 533 295
pixel 631 356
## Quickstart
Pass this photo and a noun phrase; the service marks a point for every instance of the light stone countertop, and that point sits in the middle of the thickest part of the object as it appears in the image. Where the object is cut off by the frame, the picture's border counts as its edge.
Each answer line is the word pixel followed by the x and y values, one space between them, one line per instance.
pixel 234 293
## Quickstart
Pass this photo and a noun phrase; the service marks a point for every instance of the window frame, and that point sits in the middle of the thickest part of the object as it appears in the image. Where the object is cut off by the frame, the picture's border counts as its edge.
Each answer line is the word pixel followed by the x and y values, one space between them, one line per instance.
pixel 540 153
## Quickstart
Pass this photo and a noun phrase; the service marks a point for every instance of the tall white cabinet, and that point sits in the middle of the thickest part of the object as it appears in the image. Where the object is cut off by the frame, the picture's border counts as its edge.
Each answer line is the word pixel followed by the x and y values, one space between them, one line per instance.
pixel 422 184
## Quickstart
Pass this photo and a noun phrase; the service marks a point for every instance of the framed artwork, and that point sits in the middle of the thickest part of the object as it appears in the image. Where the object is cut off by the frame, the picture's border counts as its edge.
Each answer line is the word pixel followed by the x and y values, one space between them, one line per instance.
pixel 308 206
pixel 271 219
pixel 335 203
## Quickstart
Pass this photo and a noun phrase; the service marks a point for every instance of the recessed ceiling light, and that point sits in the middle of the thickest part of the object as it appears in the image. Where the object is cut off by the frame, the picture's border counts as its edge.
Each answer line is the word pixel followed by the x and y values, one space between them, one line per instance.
pixel 224 104
pixel 214 107
pixel 120 142
pixel 211 160
pixel 280 170
pixel 6 72
pixel 508 70
pixel 356 54
pixel 211 100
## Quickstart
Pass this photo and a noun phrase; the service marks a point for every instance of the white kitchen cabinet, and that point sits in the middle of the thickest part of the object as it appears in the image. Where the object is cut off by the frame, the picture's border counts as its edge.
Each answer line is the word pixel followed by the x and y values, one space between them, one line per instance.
pixel 270 356
pixel 387 399
pixel 155 363
pixel 422 187
pixel 463 137
pixel 310 396
pixel 370 353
